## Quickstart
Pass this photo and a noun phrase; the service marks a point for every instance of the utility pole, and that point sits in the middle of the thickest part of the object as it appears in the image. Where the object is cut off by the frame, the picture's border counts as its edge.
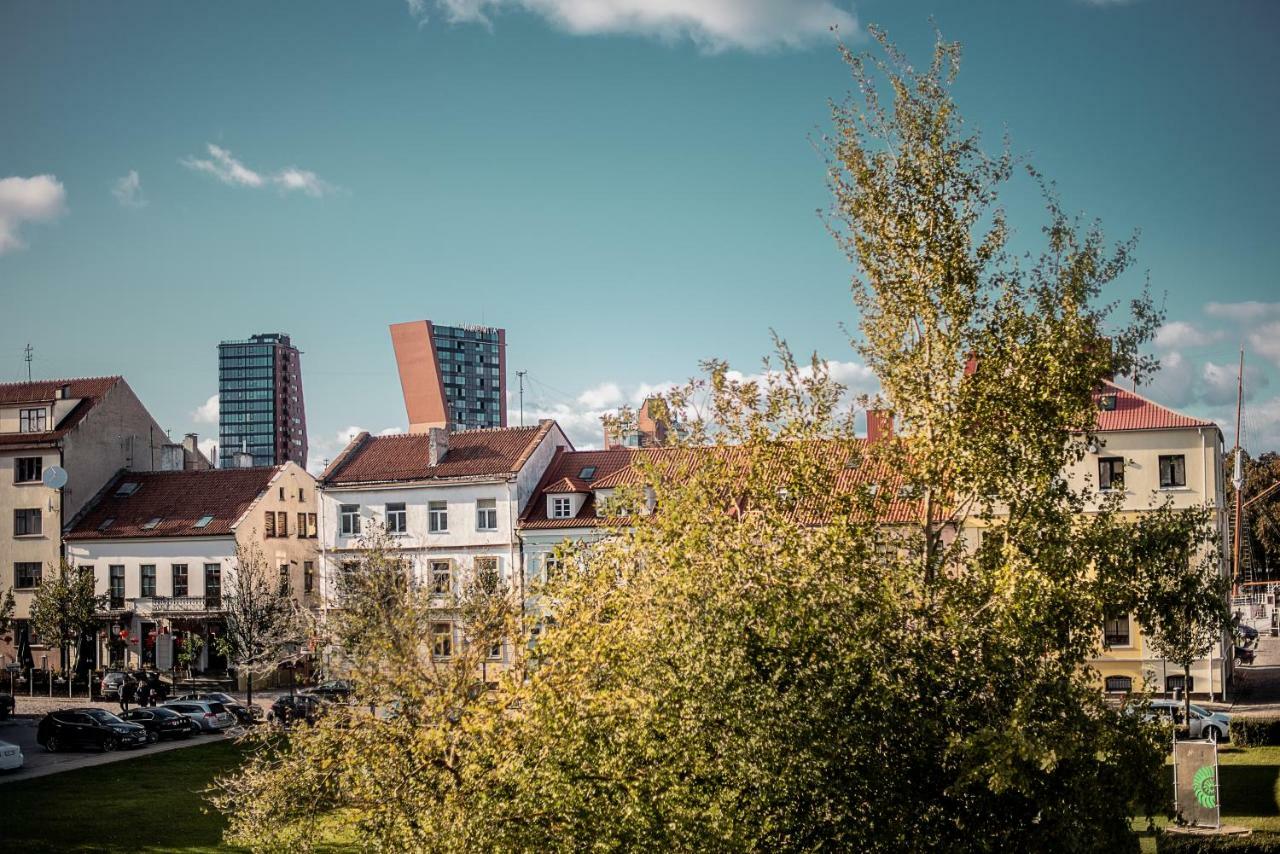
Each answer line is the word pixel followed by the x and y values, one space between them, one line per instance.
pixel 1237 481
pixel 520 375
pixel 28 360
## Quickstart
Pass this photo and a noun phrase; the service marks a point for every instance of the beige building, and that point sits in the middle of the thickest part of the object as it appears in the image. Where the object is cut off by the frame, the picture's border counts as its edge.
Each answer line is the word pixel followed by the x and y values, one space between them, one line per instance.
pixel 162 548
pixel 89 428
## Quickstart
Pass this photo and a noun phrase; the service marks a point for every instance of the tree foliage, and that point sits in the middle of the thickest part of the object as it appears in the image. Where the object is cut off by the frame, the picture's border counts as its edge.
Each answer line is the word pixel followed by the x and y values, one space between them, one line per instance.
pixel 813 643
pixel 1263 517
pixel 65 607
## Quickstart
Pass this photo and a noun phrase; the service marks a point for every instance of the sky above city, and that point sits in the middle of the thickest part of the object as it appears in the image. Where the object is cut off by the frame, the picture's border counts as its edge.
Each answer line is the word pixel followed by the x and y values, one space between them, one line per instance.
pixel 628 187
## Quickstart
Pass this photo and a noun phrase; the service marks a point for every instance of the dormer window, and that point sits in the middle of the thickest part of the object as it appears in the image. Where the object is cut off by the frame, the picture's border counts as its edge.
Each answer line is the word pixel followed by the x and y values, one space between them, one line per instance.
pixel 561 507
pixel 33 420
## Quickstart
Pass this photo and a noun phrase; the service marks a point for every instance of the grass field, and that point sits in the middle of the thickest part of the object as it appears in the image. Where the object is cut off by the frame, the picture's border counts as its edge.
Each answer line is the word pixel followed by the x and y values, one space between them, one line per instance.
pixel 148 804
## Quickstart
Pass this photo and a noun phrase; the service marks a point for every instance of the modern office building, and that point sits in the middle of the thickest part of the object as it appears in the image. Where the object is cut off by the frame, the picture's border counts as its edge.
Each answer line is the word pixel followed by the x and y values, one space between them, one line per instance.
pixel 260 406
pixel 454 377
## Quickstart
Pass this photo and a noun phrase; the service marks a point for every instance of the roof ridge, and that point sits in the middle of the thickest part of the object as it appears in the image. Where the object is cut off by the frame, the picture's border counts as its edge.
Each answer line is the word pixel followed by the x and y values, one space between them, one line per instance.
pixel 63 380
pixel 1158 405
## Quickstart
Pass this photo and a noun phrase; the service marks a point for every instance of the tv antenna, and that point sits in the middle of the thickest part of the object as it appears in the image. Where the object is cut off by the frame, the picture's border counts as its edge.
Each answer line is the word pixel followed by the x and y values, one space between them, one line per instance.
pixel 27 357
pixel 521 375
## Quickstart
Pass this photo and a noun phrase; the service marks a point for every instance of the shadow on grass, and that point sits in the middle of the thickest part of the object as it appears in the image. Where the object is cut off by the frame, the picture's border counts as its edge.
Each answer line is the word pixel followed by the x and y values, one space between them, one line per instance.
pixel 1249 790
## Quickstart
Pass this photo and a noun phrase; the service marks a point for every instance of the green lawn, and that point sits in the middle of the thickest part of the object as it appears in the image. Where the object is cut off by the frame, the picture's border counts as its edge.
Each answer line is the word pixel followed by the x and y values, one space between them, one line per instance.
pixel 148 804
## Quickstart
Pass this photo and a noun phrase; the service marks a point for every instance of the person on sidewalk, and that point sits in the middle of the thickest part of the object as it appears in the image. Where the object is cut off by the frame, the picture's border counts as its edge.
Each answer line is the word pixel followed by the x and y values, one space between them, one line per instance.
pixel 144 693
pixel 127 692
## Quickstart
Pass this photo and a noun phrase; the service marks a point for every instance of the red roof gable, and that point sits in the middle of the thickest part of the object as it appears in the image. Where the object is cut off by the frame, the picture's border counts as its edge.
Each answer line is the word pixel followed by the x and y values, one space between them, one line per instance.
pixel 471 453
pixel 89 390
pixel 178 499
pixel 1134 412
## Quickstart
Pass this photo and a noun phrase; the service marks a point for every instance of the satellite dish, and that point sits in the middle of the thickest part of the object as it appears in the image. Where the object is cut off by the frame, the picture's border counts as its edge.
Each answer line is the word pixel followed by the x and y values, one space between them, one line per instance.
pixel 54 477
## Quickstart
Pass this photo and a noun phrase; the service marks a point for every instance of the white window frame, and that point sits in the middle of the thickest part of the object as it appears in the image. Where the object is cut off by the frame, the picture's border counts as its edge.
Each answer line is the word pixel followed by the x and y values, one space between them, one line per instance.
pixel 561 507
pixel 34 420
pixel 397 519
pixel 486 514
pixel 349 519
pixel 437 517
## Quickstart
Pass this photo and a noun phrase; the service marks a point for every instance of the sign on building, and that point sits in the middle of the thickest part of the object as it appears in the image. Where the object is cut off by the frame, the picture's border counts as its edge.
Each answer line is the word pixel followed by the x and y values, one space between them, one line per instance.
pixel 1195 782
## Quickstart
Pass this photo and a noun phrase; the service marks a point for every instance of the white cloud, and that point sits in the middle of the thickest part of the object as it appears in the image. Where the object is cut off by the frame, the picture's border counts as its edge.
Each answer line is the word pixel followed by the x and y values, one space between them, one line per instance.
pixel 1220 383
pixel 1265 341
pixel 224 166
pixel 209 447
pixel 1174 384
pixel 1251 311
pixel 207 412
pixel 41 198
pixel 713 25
pixel 603 396
pixel 128 190
pixel 1178 334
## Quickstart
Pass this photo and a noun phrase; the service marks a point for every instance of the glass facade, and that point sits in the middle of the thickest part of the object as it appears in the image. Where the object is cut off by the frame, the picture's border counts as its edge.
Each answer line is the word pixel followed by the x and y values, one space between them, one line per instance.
pixel 471 369
pixel 260 405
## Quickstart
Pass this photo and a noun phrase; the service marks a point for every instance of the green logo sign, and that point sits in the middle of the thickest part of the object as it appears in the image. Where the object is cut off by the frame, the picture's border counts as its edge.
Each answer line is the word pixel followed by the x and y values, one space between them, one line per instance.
pixel 1204 785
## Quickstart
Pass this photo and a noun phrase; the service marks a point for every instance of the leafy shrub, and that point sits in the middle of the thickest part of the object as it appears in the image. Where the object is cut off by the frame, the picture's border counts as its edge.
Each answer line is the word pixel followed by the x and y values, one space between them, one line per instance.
pixel 1178 843
pixel 1255 732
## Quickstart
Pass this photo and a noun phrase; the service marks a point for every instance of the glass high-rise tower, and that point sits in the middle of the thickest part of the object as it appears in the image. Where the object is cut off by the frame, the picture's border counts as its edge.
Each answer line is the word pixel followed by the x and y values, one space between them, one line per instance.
pixel 260 405
pixel 452 376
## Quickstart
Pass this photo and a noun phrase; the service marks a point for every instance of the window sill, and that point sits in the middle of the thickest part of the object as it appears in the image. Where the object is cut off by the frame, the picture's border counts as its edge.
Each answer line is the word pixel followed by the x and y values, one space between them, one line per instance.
pixel 1175 489
pixel 30 537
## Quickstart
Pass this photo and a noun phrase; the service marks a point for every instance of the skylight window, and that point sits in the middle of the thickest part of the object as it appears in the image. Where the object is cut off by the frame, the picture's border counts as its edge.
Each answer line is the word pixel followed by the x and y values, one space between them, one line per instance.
pixel 1108 403
pixel 587 473
pixel 106 523
pixel 151 523
pixel 126 489
pixel 202 521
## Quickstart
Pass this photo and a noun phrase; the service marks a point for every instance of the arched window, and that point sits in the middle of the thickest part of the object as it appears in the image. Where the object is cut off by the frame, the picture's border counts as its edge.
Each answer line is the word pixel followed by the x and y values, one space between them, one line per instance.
pixel 1174 683
pixel 1119 684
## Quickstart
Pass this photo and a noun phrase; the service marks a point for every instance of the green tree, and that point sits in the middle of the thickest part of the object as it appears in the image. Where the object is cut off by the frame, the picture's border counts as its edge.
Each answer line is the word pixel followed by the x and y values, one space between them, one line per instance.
pixel 264 624
pixel 65 607
pixel 1262 518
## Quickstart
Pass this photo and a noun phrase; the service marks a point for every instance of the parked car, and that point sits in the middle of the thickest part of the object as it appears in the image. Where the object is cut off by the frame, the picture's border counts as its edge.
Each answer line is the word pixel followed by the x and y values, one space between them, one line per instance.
pixel 1213 726
pixel 1248 634
pixel 109 687
pixel 210 716
pixel 87 727
pixel 6 706
pixel 334 691
pixel 299 707
pixel 11 758
pixel 1244 655
pixel 161 722
pixel 245 715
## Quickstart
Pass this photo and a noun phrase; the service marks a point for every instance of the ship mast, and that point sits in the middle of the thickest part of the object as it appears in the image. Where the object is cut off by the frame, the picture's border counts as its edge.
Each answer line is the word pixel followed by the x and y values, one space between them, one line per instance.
pixel 1237 479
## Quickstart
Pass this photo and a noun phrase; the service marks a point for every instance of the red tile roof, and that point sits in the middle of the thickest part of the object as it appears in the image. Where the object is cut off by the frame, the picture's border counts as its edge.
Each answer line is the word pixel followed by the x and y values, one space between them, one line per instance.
pixel 178 498
pixel 619 467
pixel 90 391
pixel 471 453
pixel 1134 412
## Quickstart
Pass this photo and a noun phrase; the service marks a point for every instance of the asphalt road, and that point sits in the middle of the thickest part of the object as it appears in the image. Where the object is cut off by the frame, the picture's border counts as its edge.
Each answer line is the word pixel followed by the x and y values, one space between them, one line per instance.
pixel 39 762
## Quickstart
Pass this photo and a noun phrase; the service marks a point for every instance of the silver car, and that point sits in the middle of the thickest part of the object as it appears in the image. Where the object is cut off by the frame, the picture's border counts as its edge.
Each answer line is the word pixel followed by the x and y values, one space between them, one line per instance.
pixel 208 716
pixel 1214 726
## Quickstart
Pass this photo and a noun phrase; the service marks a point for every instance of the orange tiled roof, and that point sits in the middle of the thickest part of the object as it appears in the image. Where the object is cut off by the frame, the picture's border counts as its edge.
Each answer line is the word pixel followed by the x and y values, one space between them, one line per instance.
pixel 177 498
pixel 471 453
pixel 90 390
pixel 618 467
pixel 1134 412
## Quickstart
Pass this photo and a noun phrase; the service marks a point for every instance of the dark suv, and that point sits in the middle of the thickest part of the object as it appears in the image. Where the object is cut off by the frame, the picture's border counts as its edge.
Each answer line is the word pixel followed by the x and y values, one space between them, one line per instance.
pixel 81 728
pixel 161 723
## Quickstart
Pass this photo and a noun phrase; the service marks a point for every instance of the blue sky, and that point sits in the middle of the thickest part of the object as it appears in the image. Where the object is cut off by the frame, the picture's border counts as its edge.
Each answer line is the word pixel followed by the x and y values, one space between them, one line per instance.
pixel 627 187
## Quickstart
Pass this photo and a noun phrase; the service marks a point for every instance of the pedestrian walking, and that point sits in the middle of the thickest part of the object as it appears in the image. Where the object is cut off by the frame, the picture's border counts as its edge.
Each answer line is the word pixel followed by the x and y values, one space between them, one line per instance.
pixel 144 693
pixel 127 692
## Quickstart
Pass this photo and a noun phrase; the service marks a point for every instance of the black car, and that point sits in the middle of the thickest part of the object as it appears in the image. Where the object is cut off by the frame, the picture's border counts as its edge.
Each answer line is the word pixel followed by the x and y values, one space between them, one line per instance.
pixel 161 723
pixel 6 706
pixel 81 728
pixel 334 691
pixel 244 715
pixel 300 707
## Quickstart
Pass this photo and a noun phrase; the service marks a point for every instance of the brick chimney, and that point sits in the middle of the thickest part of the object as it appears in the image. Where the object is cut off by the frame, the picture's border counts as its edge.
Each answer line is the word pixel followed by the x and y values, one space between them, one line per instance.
pixel 879 425
pixel 437 445
pixel 970 365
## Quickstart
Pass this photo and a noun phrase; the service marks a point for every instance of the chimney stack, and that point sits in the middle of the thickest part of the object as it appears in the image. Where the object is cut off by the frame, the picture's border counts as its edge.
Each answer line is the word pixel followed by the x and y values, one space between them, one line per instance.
pixel 879 425
pixel 970 365
pixel 191 442
pixel 437 445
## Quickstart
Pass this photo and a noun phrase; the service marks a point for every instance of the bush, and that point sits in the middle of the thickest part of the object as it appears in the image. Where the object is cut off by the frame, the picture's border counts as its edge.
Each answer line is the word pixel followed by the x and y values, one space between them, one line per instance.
pixel 1178 843
pixel 1255 732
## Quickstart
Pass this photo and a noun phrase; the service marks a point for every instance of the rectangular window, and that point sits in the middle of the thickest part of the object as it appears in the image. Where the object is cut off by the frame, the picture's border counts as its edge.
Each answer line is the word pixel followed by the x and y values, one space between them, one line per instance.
pixel 213 586
pixel 1115 630
pixel 1111 473
pixel 488 579
pixel 282 524
pixel 1119 684
pixel 302 526
pixel 312 530
pixel 561 507
pixel 437 517
pixel 487 514
pixel 115 586
pixel 308 576
pixel 33 420
pixel 302 493
pixel 26 575
pixel 442 640
pixel 285 586
pixel 269 524
pixel 552 568
pixel 1173 471
pixel 148 581
pixel 179 579
pixel 350 519
pixel 28 523
pixel 1175 683
pixel 28 469
pixel 441 577
pixel 396 519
